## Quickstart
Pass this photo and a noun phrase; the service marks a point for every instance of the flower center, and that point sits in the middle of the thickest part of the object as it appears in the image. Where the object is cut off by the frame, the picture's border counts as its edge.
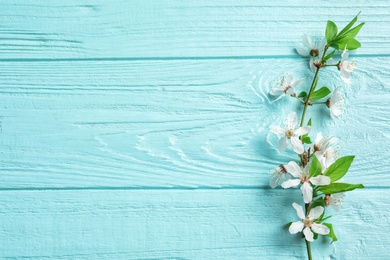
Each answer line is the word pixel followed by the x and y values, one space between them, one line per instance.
pixel 307 222
pixel 289 133
pixel 314 53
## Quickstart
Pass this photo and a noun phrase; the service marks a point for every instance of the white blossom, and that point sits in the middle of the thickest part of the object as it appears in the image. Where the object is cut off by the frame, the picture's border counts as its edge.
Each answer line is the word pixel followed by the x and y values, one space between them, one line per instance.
pixel 346 67
pixel 308 224
pixel 315 51
pixel 303 176
pixel 335 200
pixel 325 150
pixel 336 103
pixel 286 87
pixel 290 133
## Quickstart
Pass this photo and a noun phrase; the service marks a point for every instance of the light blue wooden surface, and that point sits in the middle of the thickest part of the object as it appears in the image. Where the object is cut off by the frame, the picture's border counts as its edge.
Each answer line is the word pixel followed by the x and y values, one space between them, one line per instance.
pixel 136 129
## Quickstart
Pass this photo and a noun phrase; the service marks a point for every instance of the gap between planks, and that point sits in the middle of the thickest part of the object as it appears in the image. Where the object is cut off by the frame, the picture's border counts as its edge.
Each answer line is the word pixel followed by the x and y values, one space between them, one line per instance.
pixel 156 188
pixel 114 59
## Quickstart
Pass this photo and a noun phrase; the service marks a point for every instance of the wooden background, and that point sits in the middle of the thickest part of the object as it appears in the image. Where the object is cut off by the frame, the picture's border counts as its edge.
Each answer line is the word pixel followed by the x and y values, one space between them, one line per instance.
pixel 137 129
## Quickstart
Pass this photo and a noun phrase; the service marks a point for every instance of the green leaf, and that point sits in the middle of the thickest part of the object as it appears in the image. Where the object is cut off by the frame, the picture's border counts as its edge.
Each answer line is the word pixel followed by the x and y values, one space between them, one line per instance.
pixel 330 55
pixel 315 167
pixel 328 217
pixel 349 25
pixel 321 93
pixel 331 31
pixel 309 123
pixel 339 187
pixel 306 139
pixel 339 168
pixel 353 44
pixel 303 94
pixel 288 224
pixel 331 234
pixel 349 36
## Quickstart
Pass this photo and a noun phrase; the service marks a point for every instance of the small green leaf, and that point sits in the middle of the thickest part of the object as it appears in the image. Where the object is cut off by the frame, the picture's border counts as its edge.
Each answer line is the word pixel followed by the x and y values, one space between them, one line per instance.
pixel 331 31
pixel 288 224
pixel 345 39
pixel 315 167
pixel 353 32
pixel 328 217
pixel 306 140
pixel 309 123
pixel 331 234
pixel 339 168
pixel 330 55
pixel 303 94
pixel 321 93
pixel 339 187
pixel 349 25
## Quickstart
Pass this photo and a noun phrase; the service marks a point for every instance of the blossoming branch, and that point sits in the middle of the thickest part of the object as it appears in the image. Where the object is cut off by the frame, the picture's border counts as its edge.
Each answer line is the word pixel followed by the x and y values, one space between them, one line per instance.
pixel 318 170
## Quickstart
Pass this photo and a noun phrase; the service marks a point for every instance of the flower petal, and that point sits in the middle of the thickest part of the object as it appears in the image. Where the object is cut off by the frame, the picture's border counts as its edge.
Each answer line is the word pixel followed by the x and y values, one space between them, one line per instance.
pixel 320 180
pixel 318 138
pixel 303 52
pixel 276 130
pixel 291 183
pixel 291 121
pixel 296 82
pixel 307 192
pixel 316 212
pixel 307 42
pixel 320 229
pixel 297 145
pixel 282 144
pixel 276 92
pixel 302 130
pixel 345 54
pixel 293 168
pixel 299 210
pixel 308 234
pixel 296 227
pixel 275 180
pixel 311 65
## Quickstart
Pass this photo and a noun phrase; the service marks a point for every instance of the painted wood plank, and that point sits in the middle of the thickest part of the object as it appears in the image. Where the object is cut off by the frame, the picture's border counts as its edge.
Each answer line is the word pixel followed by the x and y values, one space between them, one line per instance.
pixel 172 123
pixel 148 29
pixel 196 224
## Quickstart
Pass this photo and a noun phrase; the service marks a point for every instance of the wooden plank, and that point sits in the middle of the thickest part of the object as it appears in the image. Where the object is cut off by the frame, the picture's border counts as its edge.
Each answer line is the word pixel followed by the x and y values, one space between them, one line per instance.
pixel 145 29
pixel 196 224
pixel 172 123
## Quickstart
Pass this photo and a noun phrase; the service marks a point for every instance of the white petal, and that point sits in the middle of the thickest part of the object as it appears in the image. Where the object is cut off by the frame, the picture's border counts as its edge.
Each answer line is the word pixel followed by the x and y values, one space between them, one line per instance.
pixel 316 212
pixel 307 192
pixel 307 42
pixel 296 145
pixel 302 130
pixel 293 168
pixel 322 44
pixel 311 65
pixel 308 234
pixel 296 227
pixel 318 138
pixel 282 144
pixel 275 180
pixel 276 130
pixel 344 55
pixel 303 52
pixel 320 180
pixel 345 76
pixel 288 78
pixel 291 183
pixel 320 229
pixel 296 82
pixel 299 210
pixel 291 121
pixel 276 92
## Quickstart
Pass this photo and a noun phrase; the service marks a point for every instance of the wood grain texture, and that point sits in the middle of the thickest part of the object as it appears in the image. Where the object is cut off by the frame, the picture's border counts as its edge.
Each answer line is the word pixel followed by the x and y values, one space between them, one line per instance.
pixel 146 29
pixel 173 123
pixel 245 224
